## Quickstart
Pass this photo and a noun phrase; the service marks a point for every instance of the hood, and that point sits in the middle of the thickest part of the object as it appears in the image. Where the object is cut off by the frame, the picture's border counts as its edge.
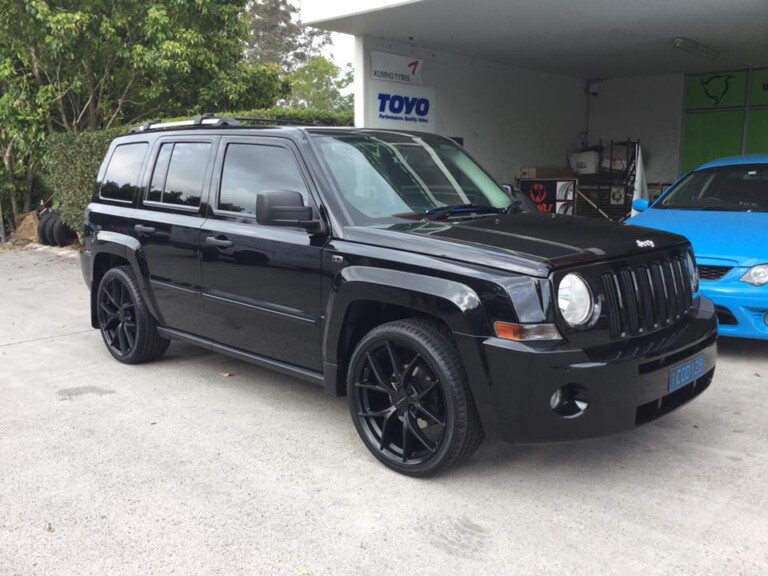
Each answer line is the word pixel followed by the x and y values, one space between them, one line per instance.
pixel 741 237
pixel 533 244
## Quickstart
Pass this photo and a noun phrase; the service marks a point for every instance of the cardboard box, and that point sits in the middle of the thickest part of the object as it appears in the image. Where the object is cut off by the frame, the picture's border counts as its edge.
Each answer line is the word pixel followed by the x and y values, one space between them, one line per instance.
pixel 534 172
pixel 584 162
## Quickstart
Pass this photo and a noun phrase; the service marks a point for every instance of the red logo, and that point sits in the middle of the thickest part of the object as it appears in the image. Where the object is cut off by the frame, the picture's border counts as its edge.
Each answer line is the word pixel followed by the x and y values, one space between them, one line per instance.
pixel 538 193
pixel 413 65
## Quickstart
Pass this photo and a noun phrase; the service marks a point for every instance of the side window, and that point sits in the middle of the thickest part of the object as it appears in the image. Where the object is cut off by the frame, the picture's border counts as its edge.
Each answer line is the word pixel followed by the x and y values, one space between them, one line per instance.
pixel 178 175
pixel 120 179
pixel 253 168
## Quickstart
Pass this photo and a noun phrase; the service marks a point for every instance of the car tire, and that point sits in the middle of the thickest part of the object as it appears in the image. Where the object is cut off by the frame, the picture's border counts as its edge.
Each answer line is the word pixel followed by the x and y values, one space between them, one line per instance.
pixel 128 328
pixel 48 229
pixel 410 400
pixel 60 233
pixel 41 227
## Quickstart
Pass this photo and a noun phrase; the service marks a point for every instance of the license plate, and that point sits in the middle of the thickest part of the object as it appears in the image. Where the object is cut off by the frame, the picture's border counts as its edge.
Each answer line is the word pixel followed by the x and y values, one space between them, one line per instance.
pixel 686 373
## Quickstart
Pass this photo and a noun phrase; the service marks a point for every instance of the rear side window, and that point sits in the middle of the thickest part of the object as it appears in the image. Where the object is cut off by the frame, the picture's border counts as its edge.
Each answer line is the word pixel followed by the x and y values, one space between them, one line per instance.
pixel 179 172
pixel 252 168
pixel 122 175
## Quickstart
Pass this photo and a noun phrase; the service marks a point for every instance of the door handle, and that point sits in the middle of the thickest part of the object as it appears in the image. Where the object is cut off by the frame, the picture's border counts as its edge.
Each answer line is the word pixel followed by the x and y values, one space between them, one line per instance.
pixel 219 242
pixel 141 229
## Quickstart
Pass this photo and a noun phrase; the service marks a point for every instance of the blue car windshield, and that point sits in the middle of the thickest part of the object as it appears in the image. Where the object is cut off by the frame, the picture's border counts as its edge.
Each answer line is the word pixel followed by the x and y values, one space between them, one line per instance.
pixel 390 176
pixel 742 188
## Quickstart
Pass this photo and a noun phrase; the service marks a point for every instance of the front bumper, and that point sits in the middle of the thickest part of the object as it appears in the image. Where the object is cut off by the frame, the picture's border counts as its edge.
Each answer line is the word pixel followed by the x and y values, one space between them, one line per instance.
pixel 742 308
pixel 626 383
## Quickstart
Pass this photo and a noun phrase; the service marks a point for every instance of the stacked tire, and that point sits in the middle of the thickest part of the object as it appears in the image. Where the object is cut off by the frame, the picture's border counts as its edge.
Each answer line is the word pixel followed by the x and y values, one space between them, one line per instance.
pixel 53 232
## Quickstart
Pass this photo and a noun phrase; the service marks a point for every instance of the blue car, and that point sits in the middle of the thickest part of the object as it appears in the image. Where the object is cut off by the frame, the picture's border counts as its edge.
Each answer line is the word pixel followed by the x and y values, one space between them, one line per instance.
pixel 722 208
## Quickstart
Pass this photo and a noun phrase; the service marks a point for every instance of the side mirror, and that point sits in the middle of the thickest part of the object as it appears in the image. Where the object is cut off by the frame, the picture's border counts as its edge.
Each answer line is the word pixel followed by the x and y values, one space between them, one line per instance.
pixel 286 208
pixel 641 204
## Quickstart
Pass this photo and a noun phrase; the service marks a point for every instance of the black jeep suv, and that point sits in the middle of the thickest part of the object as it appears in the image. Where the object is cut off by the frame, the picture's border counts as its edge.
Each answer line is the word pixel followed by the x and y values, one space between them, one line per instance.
pixel 389 267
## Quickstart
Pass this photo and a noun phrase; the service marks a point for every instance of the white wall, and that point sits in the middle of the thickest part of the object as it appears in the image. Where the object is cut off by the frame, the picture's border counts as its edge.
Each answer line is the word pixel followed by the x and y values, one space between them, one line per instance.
pixel 508 117
pixel 648 108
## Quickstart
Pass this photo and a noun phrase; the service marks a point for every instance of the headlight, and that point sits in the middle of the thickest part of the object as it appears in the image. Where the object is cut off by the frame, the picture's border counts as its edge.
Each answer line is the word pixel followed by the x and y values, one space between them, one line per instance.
pixel 575 300
pixel 757 276
pixel 693 272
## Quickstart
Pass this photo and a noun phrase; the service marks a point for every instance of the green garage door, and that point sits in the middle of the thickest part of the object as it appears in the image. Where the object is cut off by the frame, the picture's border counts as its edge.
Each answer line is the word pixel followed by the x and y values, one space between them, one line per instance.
pixel 720 120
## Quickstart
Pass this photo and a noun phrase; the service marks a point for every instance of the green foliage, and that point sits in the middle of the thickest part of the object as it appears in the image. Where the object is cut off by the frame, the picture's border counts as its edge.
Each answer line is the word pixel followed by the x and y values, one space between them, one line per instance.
pixel 72 163
pixel 107 62
pixel 72 160
pixel 318 83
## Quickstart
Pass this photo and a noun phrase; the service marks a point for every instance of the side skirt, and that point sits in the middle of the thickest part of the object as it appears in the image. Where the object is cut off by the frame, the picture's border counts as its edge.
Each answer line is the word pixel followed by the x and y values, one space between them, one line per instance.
pixel 276 365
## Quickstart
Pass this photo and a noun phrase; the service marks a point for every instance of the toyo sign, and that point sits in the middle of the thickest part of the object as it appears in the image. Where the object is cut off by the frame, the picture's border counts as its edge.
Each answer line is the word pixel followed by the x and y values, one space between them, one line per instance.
pixel 407 106
pixel 404 105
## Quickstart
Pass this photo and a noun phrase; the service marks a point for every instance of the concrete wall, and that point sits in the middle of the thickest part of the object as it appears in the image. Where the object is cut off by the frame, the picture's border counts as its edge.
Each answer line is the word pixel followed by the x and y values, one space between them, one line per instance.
pixel 508 117
pixel 648 108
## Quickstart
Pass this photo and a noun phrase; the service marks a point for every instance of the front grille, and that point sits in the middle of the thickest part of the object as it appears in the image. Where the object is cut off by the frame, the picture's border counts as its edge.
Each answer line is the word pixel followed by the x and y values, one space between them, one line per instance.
pixel 713 272
pixel 647 297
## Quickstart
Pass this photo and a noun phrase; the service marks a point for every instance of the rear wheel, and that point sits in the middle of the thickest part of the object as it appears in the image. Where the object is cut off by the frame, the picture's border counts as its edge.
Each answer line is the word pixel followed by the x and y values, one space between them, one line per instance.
pixel 409 398
pixel 128 329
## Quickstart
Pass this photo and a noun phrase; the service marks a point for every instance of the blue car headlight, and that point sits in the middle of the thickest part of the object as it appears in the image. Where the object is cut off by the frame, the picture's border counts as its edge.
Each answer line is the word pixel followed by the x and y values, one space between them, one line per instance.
pixel 757 275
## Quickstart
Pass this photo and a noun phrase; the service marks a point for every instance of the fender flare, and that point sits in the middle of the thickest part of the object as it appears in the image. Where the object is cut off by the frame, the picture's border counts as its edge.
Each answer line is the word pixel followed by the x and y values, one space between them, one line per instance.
pixel 128 248
pixel 455 304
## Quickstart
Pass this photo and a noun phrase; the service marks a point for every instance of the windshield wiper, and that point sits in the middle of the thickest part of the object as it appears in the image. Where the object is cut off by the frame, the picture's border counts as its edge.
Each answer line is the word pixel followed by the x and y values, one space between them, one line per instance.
pixel 446 211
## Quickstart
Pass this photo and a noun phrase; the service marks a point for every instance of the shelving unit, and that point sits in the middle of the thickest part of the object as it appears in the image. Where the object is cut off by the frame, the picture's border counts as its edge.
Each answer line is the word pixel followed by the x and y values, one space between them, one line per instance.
pixel 608 192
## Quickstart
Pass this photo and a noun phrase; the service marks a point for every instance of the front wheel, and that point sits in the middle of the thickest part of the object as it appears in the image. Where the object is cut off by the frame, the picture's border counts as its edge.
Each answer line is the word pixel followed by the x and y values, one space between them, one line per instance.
pixel 127 327
pixel 409 398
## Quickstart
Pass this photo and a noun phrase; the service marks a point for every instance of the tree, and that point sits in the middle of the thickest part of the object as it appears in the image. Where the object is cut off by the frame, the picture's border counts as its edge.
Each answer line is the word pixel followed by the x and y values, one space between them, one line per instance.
pixel 318 83
pixel 278 36
pixel 23 121
pixel 109 62
pixel 74 65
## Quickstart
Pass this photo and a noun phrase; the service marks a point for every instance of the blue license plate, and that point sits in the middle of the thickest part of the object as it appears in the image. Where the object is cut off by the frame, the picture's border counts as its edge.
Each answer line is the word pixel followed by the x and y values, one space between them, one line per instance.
pixel 686 373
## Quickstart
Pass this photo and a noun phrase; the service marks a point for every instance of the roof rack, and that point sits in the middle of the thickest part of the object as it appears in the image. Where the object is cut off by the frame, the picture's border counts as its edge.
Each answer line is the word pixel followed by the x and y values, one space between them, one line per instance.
pixel 209 120
pixel 268 121
pixel 199 121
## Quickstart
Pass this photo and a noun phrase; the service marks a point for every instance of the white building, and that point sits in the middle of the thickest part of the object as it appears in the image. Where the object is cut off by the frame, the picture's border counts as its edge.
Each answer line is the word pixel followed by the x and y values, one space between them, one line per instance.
pixel 525 83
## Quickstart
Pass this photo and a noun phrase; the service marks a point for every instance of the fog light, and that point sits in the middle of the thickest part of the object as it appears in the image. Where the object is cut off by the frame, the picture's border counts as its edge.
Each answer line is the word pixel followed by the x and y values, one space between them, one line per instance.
pixel 570 401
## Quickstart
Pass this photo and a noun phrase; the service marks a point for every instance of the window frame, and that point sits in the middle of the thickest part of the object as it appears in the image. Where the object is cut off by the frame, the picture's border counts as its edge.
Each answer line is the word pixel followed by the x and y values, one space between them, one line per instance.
pixel 137 183
pixel 273 142
pixel 154 157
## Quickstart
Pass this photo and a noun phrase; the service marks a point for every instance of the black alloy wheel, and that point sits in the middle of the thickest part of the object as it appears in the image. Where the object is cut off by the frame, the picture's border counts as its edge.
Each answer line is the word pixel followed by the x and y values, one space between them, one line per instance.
pixel 409 400
pixel 128 329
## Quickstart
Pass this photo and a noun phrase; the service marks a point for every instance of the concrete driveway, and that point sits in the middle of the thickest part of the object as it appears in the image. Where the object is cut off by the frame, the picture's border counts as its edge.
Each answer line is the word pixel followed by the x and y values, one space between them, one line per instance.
pixel 175 468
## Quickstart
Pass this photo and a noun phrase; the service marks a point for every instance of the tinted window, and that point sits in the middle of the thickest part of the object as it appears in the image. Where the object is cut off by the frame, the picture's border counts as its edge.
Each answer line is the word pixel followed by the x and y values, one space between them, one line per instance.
pixel 122 173
pixel 184 182
pixel 155 193
pixel 250 169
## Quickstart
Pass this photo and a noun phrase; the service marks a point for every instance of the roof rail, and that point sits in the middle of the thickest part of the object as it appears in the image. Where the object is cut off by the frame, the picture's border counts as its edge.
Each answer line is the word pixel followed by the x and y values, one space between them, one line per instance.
pixel 203 120
pixel 268 121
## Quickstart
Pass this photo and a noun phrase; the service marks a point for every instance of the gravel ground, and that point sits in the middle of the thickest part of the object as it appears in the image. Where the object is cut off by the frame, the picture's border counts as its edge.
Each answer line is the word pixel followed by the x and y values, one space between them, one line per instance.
pixel 175 468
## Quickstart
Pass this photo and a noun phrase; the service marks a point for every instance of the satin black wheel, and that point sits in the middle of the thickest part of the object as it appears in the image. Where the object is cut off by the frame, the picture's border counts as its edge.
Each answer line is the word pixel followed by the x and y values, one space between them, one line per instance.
pixel 128 329
pixel 409 399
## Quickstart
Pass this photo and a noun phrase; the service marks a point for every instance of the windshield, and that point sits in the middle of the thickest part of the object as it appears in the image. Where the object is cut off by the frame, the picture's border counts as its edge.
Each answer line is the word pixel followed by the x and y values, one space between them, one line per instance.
pixel 730 189
pixel 385 176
